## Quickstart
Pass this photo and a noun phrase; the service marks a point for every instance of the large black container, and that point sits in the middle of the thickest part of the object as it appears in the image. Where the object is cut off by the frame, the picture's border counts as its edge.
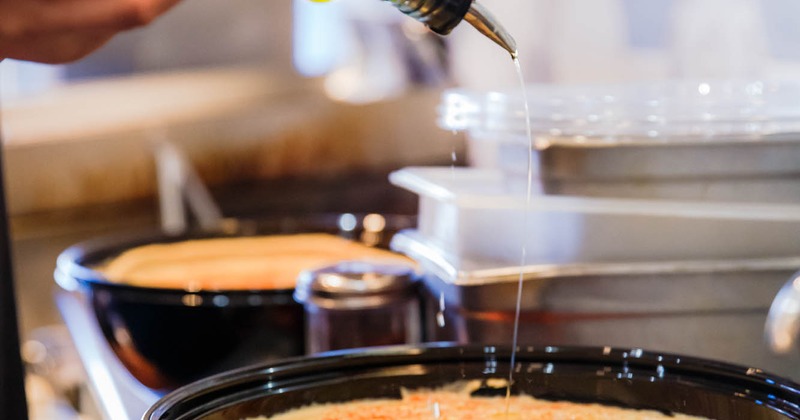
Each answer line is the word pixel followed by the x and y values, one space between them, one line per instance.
pixel 630 378
pixel 170 337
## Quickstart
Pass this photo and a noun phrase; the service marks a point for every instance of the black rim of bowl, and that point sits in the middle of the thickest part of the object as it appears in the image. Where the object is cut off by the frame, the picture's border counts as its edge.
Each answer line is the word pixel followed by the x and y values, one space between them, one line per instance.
pixel 226 389
pixel 73 265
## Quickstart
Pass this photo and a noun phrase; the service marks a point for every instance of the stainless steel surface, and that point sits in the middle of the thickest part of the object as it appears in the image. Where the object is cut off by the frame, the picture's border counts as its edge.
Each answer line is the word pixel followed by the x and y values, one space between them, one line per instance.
pixel 783 322
pixel 441 16
pixel 761 170
pixel 118 395
pixel 714 309
pixel 377 303
pixel 480 18
pixel 354 284
pixel 602 287
pixel 180 185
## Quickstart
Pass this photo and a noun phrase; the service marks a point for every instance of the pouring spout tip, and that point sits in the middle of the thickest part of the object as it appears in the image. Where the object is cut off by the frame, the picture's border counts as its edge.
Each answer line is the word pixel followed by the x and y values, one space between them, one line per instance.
pixel 488 25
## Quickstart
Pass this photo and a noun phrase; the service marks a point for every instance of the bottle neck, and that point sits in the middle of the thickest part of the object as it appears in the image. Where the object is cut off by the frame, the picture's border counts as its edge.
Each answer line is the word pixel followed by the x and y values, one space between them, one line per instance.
pixel 441 16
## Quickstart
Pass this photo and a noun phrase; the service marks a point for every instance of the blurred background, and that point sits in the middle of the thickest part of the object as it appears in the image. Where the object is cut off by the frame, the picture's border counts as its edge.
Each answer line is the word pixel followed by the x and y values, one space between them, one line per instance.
pixel 292 107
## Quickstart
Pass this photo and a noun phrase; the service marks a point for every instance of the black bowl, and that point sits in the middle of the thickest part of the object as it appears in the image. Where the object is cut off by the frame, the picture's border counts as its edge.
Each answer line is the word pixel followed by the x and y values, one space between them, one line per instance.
pixel 170 337
pixel 627 378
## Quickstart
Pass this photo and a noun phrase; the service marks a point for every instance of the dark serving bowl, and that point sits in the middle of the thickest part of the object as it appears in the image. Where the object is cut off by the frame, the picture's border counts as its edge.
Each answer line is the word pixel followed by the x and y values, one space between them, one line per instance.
pixel 169 337
pixel 628 378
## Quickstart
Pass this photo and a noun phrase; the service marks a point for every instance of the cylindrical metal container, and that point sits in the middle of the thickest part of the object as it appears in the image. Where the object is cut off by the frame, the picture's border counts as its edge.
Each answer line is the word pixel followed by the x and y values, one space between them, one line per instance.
pixel 359 304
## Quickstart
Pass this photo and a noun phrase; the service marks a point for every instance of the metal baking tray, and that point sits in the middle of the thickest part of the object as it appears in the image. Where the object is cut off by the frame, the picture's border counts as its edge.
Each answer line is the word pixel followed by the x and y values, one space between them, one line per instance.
pixel 474 213
pixel 704 308
pixel 640 287
pixel 764 169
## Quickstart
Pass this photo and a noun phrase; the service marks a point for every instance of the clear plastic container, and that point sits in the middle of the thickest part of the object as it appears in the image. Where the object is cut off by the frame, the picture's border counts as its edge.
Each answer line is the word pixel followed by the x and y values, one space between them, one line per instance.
pixel 478 214
pixel 692 140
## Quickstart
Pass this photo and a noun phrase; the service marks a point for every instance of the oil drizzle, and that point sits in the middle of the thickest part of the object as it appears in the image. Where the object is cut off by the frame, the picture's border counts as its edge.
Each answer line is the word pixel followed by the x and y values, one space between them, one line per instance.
pixel 453 158
pixel 525 222
pixel 440 319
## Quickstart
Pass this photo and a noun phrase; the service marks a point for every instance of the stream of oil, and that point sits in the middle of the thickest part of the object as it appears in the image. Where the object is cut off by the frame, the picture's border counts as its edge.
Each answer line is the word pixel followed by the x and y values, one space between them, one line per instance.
pixel 440 316
pixel 524 248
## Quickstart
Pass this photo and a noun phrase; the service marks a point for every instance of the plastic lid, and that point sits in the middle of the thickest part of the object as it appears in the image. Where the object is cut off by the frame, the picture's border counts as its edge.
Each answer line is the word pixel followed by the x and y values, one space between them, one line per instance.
pixel 487 190
pixel 659 111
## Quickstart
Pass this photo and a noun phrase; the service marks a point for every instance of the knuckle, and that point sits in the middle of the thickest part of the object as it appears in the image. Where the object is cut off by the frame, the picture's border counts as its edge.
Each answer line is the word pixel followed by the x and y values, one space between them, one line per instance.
pixel 13 28
pixel 140 12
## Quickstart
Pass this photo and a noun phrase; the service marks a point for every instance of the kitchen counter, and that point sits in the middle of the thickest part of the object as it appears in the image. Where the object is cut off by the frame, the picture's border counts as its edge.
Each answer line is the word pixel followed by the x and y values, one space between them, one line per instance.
pixel 79 161
pixel 265 148
pixel 92 143
pixel 40 237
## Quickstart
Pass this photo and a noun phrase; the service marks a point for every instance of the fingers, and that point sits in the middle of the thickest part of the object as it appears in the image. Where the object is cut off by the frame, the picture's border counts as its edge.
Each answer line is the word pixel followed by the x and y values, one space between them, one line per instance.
pixel 58 31
pixel 40 16
pixel 54 48
pixel 97 14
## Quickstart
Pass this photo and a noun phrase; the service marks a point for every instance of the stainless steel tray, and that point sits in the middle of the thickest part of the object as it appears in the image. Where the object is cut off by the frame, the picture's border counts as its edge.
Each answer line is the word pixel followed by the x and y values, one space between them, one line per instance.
pixel 762 169
pixel 713 309
pixel 661 287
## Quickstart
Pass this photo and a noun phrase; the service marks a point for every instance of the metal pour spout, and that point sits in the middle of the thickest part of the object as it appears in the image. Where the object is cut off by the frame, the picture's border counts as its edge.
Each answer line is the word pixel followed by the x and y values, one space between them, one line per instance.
pixel 441 16
pixel 485 23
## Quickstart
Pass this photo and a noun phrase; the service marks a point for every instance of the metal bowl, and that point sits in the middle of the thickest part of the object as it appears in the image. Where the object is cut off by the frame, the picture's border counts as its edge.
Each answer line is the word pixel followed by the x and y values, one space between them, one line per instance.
pixel 170 337
pixel 629 378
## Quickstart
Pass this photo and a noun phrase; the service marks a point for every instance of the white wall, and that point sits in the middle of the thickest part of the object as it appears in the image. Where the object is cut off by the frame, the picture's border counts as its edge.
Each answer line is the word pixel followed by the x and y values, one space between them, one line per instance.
pixel 196 33
pixel 579 41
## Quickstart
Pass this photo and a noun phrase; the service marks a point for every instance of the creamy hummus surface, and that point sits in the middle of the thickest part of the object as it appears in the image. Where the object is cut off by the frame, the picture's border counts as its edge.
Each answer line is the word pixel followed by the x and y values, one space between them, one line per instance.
pixel 450 405
pixel 264 262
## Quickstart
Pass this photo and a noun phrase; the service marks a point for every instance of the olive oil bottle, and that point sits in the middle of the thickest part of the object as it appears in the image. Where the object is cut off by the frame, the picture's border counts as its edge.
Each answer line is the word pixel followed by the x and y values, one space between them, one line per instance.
pixel 441 16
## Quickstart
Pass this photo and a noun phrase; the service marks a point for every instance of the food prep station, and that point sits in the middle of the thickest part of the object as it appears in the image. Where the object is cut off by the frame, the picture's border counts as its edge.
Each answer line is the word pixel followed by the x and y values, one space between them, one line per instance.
pixel 690 270
pixel 643 229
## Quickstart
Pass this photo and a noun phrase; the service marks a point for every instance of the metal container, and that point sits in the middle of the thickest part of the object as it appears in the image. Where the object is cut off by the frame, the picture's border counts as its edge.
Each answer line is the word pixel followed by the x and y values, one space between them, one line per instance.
pixel 359 304
pixel 762 170
pixel 686 140
pixel 475 213
pixel 711 309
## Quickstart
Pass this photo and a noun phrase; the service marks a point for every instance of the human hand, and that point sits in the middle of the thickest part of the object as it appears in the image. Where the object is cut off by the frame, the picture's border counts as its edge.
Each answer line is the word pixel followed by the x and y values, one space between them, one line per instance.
pixel 59 31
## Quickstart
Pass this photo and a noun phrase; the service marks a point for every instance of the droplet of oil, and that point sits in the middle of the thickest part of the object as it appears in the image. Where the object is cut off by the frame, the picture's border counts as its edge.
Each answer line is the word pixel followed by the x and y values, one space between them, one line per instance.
pixel 440 320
